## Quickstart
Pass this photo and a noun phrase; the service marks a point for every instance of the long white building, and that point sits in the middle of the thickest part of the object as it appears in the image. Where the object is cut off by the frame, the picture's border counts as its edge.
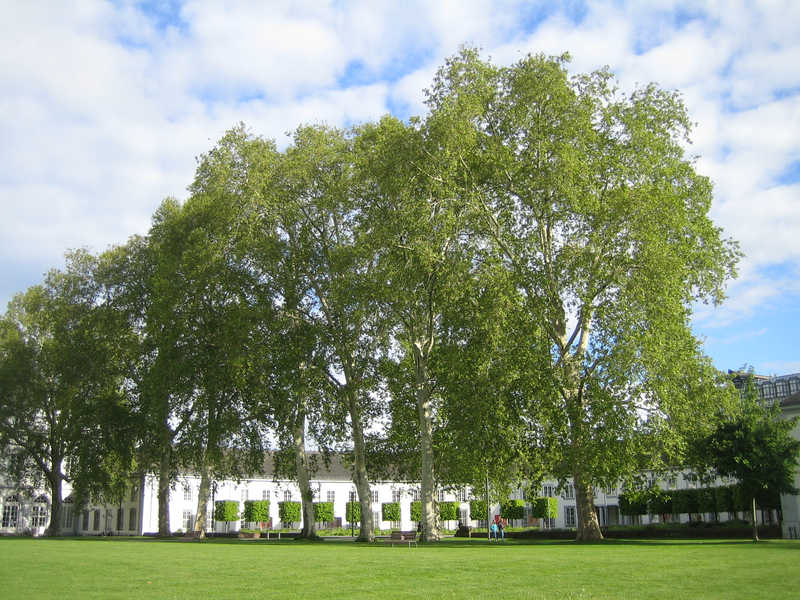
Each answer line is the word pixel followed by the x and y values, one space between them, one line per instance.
pixel 137 512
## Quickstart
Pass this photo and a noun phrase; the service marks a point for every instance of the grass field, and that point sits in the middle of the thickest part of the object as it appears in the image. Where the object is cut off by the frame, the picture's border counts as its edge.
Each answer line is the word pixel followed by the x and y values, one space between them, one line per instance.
pixel 216 569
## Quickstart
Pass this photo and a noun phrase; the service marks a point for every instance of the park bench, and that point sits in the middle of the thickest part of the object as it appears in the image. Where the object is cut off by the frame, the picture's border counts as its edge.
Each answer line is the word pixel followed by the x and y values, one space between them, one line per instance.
pixel 402 537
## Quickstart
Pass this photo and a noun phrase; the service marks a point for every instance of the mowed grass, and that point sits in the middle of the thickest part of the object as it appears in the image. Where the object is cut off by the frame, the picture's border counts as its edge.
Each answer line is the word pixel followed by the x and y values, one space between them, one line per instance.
pixel 217 569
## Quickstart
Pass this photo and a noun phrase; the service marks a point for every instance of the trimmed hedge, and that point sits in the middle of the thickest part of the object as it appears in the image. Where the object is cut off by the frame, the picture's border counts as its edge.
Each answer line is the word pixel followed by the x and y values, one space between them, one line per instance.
pixel 352 512
pixel 416 510
pixel 478 510
pixel 289 511
pixel 256 511
pixel 513 509
pixel 390 511
pixel 545 508
pixel 448 511
pixel 323 512
pixel 226 510
pixel 719 499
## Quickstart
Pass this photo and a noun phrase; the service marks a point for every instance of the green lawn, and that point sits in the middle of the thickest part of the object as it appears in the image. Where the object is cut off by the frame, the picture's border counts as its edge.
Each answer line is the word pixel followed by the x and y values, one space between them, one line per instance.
pixel 215 569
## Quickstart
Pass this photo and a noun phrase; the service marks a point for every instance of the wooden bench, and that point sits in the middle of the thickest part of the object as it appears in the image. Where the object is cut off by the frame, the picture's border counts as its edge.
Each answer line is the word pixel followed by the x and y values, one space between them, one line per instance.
pixel 402 537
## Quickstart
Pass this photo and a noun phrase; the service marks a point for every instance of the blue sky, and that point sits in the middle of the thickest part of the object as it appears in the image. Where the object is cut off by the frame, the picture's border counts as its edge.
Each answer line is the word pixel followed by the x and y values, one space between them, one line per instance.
pixel 104 105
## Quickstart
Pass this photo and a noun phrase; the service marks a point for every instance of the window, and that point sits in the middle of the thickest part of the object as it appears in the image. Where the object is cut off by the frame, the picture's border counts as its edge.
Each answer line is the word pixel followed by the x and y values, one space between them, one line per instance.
pixel 396 495
pixel 570 519
pixel 96 526
pixel 440 496
pixel 245 493
pixel 353 496
pixel 67 520
pixel 612 489
pixel 188 520
pixel 794 385
pixel 120 519
pixel 548 523
pixel 569 492
pixel 415 494
pixel 86 520
pixel 134 491
pixel 132 520
pixel 265 495
pixel 548 490
pixel 376 518
pixel 187 492
pixel 783 389
pixel 461 495
pixel 287 496
pixel 374 494
pixel 11 511
pixel 41 512
pixel 331 496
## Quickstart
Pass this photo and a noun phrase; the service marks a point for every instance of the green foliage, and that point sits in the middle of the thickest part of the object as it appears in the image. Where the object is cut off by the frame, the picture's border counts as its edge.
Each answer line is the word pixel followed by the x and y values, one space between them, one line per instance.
pixel 390 511
pixel 448 511
pixel 660 502
pixel 706 500
pixel 353 512
pixel 226 510
pixel 545 507
pixel 633 502
pixel 289 511
pixel 513 509
pixel 416 510
pixel 256 511
pixel 323 512
pixel 478 510
pixel 685 501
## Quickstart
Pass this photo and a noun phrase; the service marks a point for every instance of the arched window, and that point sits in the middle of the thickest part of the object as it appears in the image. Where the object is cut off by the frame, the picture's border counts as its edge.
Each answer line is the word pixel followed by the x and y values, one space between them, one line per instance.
pixel 66 513
pixel 96 526
pixel 132 520
pixel 11 511
pixel 120 519
pixel 41 511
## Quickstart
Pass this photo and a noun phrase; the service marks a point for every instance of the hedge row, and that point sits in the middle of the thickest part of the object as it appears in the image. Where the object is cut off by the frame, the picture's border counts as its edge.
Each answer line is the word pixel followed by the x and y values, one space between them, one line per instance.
pixel 698 500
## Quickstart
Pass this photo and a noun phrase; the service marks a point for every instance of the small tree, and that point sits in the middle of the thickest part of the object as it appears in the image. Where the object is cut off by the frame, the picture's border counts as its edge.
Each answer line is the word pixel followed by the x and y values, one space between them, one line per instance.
pixel 416 510
pixel 448 511
pixel 256 511
pixel 478 510
pixel 226 511
pixel 390 511
pixel 353 512
pixel 755 447
pixel 545 508
pixel 323 512
pixel 289 512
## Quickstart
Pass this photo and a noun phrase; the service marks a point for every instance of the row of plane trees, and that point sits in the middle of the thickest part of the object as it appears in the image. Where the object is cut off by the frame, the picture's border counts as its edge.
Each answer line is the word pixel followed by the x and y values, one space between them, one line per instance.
pixel 495 291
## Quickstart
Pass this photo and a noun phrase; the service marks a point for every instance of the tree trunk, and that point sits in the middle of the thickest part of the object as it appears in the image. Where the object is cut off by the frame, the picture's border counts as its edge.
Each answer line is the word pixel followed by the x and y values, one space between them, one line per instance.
pixel 303 480
pixel 201 521
pixel 755 522
pixel 56 502
pixel 430 529
pixel 588 525
pixel 163 494
pixel 366 532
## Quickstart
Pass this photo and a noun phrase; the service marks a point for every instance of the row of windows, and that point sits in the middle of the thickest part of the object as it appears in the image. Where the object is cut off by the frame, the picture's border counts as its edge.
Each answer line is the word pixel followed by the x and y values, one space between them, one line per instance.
pixel 780 388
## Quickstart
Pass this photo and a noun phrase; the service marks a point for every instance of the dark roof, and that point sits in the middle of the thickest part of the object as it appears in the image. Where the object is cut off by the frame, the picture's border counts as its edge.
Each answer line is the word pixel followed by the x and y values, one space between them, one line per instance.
pixel 332 468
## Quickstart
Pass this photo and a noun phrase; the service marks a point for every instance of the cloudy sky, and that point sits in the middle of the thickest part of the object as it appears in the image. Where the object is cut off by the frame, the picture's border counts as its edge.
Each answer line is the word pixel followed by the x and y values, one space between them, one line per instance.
pixel 105 105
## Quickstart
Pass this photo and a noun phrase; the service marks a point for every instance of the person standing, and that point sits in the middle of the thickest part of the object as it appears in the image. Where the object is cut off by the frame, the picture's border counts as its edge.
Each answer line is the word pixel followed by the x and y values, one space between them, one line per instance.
pixel 493 529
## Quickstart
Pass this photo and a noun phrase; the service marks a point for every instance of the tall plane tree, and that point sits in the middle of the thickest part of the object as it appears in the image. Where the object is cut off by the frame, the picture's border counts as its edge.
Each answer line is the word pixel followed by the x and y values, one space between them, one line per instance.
pixel 603 221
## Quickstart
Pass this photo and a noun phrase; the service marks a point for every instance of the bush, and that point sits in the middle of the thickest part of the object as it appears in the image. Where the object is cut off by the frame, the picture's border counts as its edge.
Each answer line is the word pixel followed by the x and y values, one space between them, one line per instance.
pixel 660 503
pixel 289 511
pixel 448 511
pixel 256 511
pixel 390 511
pixel 226 510
pixel 723 499
pixel 416 510
pixel 544 508
pixel 513 509
pixel 684 501
pixel 323 512
pixel 632 503
pixel 706 500
pixel 352 512
pixel 478 510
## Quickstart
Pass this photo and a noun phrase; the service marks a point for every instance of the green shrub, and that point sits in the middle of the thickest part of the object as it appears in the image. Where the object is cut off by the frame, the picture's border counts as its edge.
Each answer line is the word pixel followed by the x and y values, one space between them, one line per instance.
pixel 256 511
pixel 416 510
pixel 513 509
pixel 448 511
pixel 390 511
pixel 226 510
pixel 289 511
pixel 544 508
pixel 633 502
pixel 723 499
pixel 478 510
pixel 660 502
pixel 323 512
pixel 353 512
pixel 684 501
pixel 706 500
